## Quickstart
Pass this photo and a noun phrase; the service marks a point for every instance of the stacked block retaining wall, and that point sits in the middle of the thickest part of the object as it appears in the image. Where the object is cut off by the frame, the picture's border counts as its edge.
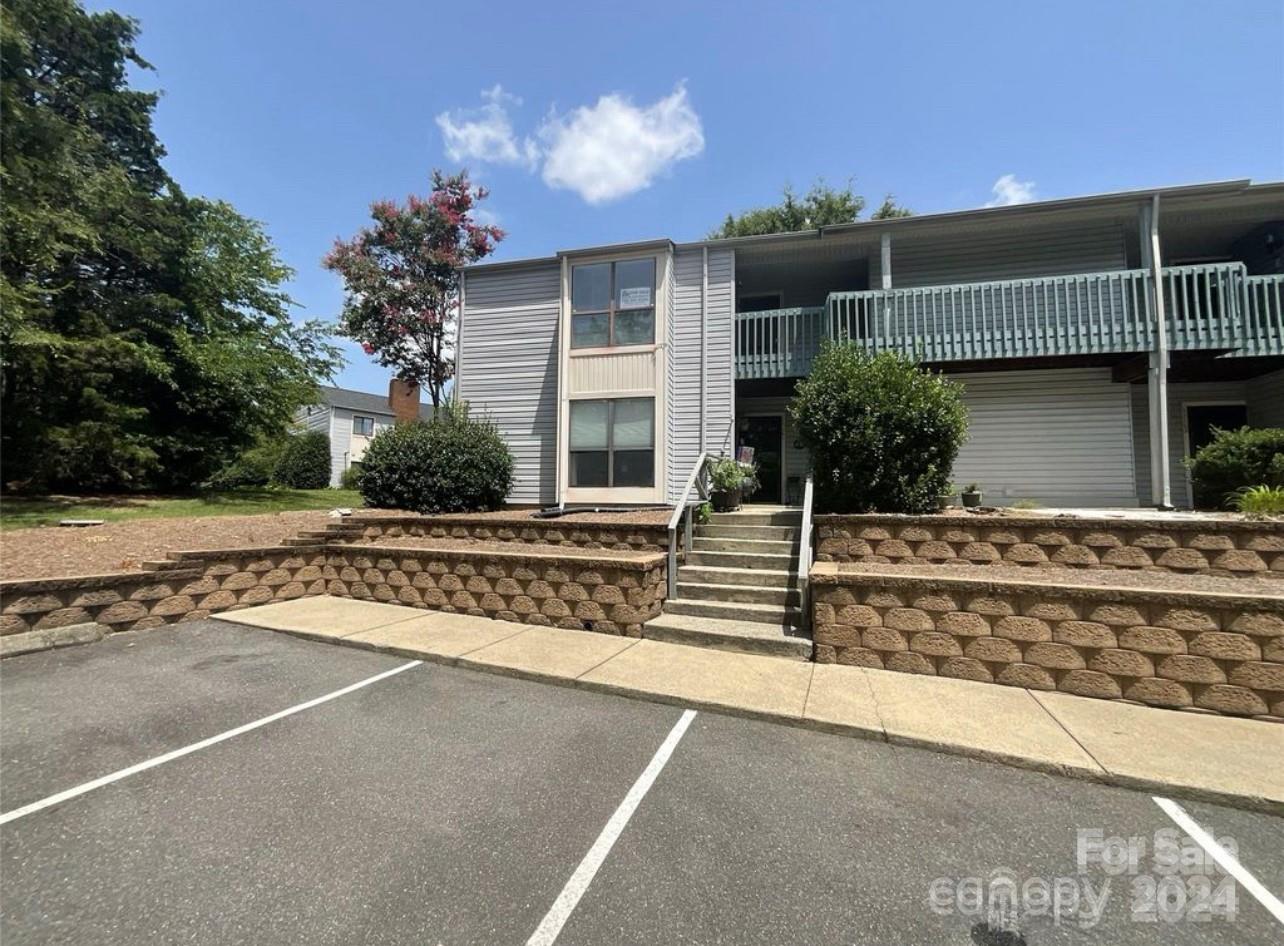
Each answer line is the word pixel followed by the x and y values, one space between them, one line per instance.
pixel 1210 651
pixel 1211 546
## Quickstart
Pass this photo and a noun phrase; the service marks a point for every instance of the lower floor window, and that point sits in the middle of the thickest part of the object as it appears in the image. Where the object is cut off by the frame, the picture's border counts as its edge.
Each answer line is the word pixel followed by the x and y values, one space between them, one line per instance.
pixel 613 442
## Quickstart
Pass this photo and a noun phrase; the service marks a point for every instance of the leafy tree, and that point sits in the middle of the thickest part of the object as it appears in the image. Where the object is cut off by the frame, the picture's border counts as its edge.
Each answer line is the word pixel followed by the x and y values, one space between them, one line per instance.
pixel 402 278
pixel 890 210
pixel 305 461
pixel 144 339
pixel 822 206
pixel 883 433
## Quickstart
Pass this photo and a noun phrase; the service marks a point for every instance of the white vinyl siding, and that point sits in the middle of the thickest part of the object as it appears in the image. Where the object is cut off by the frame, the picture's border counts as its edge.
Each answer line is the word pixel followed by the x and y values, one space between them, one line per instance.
pixel 1060 437
pixel 684 375
pixel 508 368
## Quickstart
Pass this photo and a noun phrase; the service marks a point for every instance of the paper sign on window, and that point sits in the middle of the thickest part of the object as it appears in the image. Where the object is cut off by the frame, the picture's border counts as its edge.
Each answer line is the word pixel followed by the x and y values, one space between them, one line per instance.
pixel 635 297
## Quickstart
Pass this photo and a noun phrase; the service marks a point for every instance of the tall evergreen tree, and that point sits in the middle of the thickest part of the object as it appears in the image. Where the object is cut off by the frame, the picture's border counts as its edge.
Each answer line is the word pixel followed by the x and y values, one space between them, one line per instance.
pixel 144 334
pixel 822 206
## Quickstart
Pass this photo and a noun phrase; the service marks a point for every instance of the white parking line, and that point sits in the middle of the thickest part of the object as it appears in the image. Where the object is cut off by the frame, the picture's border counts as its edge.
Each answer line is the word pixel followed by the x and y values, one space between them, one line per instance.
pixel 194 747
pixel 1223 857
pixel 551 926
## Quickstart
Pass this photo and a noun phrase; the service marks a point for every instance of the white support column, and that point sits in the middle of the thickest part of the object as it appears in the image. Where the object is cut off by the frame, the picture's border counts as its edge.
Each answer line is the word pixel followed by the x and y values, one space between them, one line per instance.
pixel 1157 376
pixel 885 264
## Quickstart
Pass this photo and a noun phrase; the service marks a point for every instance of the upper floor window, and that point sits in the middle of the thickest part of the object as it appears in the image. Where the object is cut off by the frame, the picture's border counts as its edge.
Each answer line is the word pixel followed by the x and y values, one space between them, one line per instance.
pixel 613 303
pixel 363 426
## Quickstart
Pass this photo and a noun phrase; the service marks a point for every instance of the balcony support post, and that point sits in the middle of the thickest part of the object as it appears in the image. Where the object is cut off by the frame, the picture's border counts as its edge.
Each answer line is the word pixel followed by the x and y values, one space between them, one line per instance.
pixel 704 333
pixel 1157 375
pixel 885 270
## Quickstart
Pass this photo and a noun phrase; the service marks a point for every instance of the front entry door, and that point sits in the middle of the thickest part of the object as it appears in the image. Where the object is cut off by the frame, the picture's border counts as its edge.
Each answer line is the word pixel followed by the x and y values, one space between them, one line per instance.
pixel 765 434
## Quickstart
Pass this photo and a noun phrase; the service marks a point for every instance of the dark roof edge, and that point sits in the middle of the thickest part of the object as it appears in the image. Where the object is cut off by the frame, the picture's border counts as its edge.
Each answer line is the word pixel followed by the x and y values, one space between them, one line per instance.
pixel 1012 211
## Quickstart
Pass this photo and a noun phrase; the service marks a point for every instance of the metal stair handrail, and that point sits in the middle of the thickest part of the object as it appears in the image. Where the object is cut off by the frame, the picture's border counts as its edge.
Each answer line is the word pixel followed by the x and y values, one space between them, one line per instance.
pixel 697 481
pixel 804 551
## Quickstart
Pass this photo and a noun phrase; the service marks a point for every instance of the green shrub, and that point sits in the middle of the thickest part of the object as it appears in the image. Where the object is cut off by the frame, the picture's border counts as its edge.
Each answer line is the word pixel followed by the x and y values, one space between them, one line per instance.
pixel 451 463
pixel 304 462
pixel 1259 500
pixel 883 433
pixel 351 478
pixel 254 467
pixel 1236 459
pixel 727 474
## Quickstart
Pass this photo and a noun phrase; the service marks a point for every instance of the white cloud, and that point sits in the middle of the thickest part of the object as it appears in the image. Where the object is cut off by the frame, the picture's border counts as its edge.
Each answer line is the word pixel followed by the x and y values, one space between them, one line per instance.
pixel 614 148
pixel 1008 191
pixel 602 152
pixel 486 133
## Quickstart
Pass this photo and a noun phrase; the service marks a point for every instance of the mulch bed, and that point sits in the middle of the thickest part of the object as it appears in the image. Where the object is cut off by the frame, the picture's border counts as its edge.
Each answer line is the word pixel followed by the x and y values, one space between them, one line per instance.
pixel 656 516
pixel 55 552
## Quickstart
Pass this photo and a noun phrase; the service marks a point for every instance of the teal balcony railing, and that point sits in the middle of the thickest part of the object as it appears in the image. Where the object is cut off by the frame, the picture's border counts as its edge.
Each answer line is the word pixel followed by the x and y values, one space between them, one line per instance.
pixel 1212 307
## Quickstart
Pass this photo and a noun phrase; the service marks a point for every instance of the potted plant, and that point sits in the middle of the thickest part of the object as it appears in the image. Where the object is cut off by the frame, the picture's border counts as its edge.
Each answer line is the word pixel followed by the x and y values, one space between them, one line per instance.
pixel 946 499
pixel 731 481
pixel 972 495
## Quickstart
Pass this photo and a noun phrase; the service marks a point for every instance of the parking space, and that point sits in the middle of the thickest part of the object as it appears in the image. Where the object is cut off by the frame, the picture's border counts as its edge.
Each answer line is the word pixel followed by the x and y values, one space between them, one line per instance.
pixel 441 805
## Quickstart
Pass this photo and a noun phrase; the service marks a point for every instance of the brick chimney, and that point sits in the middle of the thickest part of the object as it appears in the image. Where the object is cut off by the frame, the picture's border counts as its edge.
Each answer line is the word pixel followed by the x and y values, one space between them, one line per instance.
pixel 403 398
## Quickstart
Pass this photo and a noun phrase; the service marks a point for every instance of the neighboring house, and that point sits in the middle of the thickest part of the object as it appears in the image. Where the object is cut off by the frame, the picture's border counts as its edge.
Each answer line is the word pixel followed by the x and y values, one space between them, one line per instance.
pixel 610 369
pixel 350 419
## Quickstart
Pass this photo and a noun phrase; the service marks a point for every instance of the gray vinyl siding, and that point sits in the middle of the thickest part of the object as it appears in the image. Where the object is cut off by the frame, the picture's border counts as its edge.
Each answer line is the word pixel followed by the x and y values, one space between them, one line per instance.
pixel 684 381
pixel 1060 437
pixel 982 257
pixel 1179 395
pixel 1266 400
pixel 508 368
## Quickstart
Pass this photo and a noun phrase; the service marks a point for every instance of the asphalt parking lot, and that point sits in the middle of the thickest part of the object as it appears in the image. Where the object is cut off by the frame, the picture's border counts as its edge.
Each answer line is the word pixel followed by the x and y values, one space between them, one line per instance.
pixel 427 804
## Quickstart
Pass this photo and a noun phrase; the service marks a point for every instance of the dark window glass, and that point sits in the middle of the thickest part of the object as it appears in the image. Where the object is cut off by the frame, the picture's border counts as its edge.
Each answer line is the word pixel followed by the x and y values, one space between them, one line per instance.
pixel 612 442
pixel 635 327
pixel 613 303
pixel 591 288
pixel 633 468
pixel 591 331
pixel 635 283
pixel 590 468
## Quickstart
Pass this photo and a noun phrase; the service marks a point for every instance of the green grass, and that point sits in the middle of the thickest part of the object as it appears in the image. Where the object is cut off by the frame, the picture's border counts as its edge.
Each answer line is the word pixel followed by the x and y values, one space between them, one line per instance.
pixel 22 512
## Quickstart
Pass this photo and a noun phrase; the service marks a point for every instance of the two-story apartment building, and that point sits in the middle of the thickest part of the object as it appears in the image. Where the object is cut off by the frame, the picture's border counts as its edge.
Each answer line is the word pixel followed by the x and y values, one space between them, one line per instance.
pixel 1099 339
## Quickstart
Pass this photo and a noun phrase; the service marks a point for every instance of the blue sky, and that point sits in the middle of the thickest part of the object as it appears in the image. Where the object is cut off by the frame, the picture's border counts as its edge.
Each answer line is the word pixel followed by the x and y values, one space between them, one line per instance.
pixel 624 121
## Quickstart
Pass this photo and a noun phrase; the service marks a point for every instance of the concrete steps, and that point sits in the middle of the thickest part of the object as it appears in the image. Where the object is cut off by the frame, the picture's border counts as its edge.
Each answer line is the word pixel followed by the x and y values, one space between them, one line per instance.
pixel 745 612
pixel 757 577
pixel 738 587
pixel 754 560
pixel 748 638
pixel 724 531
pixel 738 593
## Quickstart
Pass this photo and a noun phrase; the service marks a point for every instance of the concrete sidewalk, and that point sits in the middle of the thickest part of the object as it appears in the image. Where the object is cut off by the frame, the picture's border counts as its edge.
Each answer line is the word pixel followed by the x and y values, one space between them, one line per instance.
pixel 1182 754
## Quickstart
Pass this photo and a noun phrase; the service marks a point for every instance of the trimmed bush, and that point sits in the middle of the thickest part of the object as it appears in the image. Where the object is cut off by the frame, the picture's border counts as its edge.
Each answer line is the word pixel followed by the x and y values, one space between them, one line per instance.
pixel 883 433
pixel 305 462
pixel 351 478
pixel 254 467
pixel 1234 460
pixel 451 463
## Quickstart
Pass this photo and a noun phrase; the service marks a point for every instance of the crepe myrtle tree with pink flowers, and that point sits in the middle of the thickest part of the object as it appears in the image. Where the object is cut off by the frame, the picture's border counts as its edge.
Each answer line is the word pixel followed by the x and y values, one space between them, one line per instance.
pixel 401 278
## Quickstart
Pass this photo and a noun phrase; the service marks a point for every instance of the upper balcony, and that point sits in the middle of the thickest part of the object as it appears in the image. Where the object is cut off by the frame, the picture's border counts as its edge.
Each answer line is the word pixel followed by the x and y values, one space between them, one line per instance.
pixel 1213 307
